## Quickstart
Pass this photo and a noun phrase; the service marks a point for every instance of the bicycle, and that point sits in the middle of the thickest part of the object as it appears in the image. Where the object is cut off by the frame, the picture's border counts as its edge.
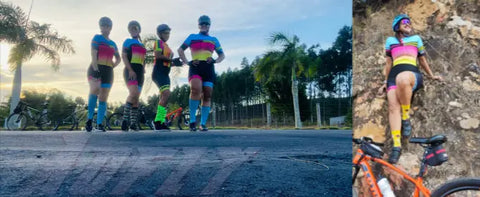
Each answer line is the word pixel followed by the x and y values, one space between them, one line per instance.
pixel 18 120
pixel 114 121
pixel 78 115
pixel 183 118
pixel 434 155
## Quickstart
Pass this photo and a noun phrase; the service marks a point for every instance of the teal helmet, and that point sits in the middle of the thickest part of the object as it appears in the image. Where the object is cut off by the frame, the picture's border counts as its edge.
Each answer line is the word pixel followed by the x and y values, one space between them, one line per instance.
pixel 162 27
pixel 204 19
pixel 134 23
pixel 105 21
pixel 397 20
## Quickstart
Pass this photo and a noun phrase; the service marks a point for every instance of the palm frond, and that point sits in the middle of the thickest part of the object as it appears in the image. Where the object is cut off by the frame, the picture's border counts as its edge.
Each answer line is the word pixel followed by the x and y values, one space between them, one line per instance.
pixel 50 55
pixel 12 23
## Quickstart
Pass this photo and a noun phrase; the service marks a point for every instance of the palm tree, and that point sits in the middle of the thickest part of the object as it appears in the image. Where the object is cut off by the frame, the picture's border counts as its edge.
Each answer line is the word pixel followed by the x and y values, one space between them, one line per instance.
pixel 281 64
pixel 29 38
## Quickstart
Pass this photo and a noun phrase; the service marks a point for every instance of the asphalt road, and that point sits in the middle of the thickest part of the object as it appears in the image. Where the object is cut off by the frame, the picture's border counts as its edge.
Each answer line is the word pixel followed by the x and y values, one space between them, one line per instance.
pixel 147 163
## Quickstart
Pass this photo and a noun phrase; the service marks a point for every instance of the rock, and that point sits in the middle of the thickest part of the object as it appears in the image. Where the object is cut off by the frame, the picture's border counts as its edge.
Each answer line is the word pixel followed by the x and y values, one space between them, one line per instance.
pixel 455 104
pixel 470 86
pixel 465 115
pixel 471 123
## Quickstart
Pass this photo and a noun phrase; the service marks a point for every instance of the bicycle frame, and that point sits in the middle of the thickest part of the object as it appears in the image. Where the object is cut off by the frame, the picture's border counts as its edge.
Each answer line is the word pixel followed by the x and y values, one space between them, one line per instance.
pixel 361 161
pixel 177 113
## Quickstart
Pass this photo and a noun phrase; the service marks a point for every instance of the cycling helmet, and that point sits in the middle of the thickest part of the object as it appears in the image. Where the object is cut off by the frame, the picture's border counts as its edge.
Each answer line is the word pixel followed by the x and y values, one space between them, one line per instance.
pixel 397 20
pixel 105 21
pixel 134 23
pixel 162 27
pixel 204 19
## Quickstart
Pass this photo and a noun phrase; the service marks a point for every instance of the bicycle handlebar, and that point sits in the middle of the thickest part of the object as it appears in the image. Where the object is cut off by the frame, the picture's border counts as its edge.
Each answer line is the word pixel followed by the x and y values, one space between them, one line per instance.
pixel 367 140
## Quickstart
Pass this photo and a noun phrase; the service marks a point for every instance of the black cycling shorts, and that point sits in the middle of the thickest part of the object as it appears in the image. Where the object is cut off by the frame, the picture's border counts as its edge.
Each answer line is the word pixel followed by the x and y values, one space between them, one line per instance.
pixel 104 74
pixel 203 71
pixel 139 71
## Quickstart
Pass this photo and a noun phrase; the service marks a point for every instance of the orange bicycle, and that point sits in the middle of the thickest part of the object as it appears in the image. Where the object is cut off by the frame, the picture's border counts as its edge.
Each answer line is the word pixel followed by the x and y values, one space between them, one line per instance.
pixel 183 118
pixel 434 155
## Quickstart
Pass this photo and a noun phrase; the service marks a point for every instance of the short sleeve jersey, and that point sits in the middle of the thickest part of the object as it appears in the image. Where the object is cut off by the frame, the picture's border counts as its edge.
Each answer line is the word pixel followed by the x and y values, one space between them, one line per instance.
pixel 404 51
pixel 202 46
pixel 164 49
pixel 106 50
pixel 135 51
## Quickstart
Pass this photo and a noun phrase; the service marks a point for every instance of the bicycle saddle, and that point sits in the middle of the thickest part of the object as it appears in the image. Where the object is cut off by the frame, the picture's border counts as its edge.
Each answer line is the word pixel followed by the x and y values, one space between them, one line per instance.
pixel 434 140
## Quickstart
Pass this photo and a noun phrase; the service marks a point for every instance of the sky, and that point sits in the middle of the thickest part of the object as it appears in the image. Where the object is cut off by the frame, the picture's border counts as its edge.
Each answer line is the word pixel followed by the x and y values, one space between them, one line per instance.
pixel 242 28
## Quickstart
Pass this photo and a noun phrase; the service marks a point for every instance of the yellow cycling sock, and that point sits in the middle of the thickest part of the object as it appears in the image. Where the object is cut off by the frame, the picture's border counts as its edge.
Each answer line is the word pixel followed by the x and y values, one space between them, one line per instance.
pixel 396 138
pixel 405 112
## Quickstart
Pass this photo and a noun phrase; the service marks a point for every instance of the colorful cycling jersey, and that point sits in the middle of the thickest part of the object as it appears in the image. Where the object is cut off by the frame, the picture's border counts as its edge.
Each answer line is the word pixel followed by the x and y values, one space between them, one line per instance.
pixel 135 51
pixel 404 51
pixel 202 46
pixel 106 50
pixel 163 47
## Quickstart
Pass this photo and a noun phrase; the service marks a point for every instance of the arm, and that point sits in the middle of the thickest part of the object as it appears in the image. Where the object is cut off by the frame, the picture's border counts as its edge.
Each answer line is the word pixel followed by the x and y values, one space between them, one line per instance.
pixel 94 59
pixel 426 67
pixel 181 53
pixel 117 60
pixel 160 57
pixel 131 73
pixel 386 71
pixel 220 58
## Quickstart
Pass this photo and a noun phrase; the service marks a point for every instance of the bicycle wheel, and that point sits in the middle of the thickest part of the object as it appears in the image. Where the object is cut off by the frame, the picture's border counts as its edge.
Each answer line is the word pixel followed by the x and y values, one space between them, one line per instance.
pixel 183 122
pixel 114 121
pixel 17 122
pixel 465 187
pixel 44 123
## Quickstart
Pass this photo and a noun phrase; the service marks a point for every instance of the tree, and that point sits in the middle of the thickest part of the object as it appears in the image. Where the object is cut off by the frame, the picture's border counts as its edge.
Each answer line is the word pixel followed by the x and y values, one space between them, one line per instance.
pixel 29 38
pixel 283 64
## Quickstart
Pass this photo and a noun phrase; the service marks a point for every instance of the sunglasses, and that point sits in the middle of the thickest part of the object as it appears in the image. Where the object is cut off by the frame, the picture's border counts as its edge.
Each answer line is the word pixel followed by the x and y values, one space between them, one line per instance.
pixel 406 21
pixel 204 23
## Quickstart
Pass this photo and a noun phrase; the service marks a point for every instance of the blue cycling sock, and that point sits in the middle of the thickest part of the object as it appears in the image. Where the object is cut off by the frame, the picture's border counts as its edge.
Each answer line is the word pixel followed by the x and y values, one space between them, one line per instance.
pixel 204 117
pixel 92 103
pixel 102 108
pixel 193 109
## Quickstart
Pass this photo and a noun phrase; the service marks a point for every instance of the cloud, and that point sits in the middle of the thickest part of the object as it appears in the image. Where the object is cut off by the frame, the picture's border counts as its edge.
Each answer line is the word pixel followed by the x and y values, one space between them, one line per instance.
pixel 241 26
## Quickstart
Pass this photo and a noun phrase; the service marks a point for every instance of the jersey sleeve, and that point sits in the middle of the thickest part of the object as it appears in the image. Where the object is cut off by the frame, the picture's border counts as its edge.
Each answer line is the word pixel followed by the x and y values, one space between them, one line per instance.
pixel 95 42
pixel 187 42
pixel 218 47
pixel 421 48
pixel 388 50
pixel 126 46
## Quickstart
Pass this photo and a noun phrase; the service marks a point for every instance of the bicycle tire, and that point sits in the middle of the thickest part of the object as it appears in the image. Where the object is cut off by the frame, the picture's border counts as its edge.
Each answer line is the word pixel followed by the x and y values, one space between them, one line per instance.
pixel 70 119
pixel 182 122
pixel 44 123
pixel 114 121
pixel 456 186
pixel 14 119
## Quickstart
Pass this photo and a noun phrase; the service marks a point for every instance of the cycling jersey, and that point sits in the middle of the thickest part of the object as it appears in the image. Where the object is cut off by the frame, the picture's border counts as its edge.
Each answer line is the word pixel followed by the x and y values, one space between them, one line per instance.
pixel 135 51
pixel 202 46
pixel 405 50
pixel 106 50
pixel 165 50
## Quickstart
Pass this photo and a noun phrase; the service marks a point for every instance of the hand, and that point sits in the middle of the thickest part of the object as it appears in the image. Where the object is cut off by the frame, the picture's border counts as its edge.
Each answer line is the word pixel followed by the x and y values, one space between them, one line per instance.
pixel 96 74
pixel 132 75
pixel 382 90
pixel 436 77
pixel 210 60
pixel 195 62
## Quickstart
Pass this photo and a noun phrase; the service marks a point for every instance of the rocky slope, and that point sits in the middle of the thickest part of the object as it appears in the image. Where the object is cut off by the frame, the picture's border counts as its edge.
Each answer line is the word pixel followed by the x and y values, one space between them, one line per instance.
pixel 450 30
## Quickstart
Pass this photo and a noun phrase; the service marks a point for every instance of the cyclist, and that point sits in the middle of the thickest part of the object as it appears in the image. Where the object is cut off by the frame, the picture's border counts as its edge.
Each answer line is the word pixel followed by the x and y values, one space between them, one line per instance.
pixel 403 78
pixel 201 74
pixel 100 72
pixel 163 61
pixel 133 55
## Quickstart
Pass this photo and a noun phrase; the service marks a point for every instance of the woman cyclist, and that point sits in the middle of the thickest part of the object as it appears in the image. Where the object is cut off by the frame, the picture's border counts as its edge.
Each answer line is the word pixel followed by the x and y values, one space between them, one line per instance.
pixel 201 73
pixel 163 61
pixel 403 78
pixel 100 72
pixel 133 55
